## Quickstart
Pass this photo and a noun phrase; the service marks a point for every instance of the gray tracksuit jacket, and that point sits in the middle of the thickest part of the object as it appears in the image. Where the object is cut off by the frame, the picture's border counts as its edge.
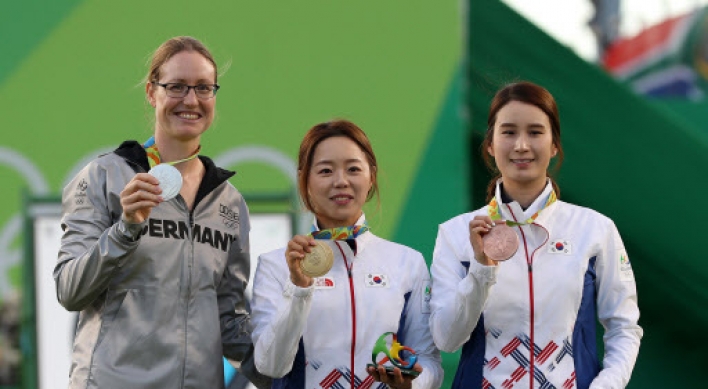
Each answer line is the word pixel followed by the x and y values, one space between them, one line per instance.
pixel 159 302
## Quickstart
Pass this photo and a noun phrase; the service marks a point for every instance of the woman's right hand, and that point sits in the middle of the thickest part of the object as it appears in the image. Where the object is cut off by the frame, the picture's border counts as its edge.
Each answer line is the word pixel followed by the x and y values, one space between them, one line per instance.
pixel 480 226
pixel 139 196
pixel 298 246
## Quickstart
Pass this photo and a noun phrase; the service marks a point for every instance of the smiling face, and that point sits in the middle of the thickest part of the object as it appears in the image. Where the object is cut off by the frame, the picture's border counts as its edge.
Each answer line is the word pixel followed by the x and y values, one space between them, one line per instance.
pixel 522 145
pixel 339 182
pixel 184 118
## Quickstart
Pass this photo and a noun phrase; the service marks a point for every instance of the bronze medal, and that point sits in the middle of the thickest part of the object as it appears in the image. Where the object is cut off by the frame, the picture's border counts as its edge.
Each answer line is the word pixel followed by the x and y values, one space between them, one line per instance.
pixel 500 243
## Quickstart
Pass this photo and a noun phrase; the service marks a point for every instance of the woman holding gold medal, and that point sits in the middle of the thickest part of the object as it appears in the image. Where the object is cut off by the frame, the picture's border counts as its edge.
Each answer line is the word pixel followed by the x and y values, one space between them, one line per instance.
pixel 520 283
pixel 146 255
pixel 321 303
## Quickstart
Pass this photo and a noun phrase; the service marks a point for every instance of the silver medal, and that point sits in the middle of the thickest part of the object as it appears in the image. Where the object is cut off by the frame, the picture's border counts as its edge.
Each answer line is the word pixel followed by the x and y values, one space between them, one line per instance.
pixel 170 180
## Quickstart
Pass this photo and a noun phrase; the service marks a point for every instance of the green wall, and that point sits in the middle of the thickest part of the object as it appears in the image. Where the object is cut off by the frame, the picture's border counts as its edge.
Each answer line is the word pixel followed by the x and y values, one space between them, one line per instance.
pixel 70 86
pixel 628 158
pixel 73 86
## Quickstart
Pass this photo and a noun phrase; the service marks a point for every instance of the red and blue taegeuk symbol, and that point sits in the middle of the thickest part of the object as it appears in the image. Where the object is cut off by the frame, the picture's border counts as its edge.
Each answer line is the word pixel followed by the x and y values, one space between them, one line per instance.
pixel 559 246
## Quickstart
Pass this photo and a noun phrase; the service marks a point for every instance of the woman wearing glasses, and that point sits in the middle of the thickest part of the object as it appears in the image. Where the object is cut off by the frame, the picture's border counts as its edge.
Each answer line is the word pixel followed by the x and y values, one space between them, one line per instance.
pixel 520 283
pixel 146 255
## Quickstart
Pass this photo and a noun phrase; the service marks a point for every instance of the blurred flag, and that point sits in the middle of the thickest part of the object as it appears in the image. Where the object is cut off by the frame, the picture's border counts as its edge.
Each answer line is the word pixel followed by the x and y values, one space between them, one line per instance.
pixel 669 59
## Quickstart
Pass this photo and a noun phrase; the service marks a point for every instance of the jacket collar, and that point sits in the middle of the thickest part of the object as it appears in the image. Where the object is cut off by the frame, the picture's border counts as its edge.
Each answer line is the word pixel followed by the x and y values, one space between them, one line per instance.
pixel 135 154
pixel 359 243
pixel 518 213
pixel 316 227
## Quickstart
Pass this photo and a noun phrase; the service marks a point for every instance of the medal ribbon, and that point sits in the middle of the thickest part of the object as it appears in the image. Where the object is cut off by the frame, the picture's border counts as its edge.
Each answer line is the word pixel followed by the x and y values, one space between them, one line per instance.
pixel 495 212
pixel 154 155
pixel 340 233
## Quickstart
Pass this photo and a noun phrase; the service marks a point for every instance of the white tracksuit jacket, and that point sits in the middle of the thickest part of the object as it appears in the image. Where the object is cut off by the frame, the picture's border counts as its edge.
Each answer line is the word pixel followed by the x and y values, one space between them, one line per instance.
pixel 314 337
pixel 570 269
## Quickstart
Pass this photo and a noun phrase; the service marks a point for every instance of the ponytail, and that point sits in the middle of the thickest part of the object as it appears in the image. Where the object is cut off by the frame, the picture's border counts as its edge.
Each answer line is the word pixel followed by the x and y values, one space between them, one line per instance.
pixel 492 187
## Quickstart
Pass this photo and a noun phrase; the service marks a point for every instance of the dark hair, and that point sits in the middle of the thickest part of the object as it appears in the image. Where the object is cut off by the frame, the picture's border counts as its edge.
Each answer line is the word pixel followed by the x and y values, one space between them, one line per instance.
pixel 529 93
pixel 330 129
pixel 173 46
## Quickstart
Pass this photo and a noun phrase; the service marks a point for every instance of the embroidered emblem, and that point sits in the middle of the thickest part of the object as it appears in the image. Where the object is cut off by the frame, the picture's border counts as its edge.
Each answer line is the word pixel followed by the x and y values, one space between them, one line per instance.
pixel 229 217
pixel 426 297
pixel 81 198
pixel 625 267
pixel 324 283
pixel 560 246
pixel 80 195
pixel 376 280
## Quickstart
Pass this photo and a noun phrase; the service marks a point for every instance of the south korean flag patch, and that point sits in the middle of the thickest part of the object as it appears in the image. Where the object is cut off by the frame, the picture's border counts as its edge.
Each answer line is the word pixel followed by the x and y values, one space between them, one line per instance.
pixel 376 280
pixel 560 246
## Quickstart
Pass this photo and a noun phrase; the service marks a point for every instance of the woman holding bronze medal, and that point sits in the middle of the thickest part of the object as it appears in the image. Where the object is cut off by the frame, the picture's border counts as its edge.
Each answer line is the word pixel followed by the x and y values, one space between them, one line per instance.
pixel 322 304
pixel 520 283
pixel 146 255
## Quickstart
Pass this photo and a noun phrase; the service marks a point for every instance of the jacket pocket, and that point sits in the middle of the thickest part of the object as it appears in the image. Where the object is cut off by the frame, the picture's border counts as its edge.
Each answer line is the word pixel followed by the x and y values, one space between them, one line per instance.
pixel 113 304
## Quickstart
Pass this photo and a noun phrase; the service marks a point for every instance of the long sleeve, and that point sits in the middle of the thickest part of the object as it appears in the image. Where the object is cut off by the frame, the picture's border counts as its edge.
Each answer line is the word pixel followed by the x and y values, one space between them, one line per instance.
pixel 233 310
pixel 416 330
pixel 617 311
pixel 92 247
pixel 458 295
pixel 280 311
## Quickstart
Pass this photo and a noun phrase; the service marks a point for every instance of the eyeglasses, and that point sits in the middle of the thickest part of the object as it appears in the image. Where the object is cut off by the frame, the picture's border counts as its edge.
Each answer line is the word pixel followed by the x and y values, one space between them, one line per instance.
pixel 180 90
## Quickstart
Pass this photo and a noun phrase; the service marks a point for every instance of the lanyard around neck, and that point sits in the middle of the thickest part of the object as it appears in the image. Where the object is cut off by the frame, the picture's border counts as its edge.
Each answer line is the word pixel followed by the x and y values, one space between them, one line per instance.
pixel 340 233
pixel 495 212
pixel 154 155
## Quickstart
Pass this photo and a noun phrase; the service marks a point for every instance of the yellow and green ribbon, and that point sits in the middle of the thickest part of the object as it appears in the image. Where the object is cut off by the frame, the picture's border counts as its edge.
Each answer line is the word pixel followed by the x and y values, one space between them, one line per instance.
pixel 340 233
pixel 495 212
pixel 153 155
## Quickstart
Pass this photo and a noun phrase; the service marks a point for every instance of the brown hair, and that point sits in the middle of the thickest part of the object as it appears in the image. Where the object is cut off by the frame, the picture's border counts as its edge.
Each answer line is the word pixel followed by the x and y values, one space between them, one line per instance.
pixel 173 46
pixel 529 93
pixel 322 131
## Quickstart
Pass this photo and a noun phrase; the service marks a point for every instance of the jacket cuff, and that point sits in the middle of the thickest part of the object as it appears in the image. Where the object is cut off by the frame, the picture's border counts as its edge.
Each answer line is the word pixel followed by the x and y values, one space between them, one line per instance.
pixel 292 290
pixel 130 231
pixel 483 274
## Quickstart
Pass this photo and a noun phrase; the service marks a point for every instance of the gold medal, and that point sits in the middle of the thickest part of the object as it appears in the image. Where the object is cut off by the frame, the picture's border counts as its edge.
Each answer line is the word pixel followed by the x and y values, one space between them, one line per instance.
pixel 318 261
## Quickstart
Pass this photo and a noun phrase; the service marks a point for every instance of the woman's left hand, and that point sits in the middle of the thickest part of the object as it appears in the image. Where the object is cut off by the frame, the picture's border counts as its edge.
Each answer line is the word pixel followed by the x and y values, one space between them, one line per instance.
pixel 394 379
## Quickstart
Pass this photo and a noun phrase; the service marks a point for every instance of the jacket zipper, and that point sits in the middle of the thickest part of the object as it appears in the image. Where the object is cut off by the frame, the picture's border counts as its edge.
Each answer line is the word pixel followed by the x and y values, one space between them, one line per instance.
pixel 351 296
pixel 189 284
pixel 529 262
